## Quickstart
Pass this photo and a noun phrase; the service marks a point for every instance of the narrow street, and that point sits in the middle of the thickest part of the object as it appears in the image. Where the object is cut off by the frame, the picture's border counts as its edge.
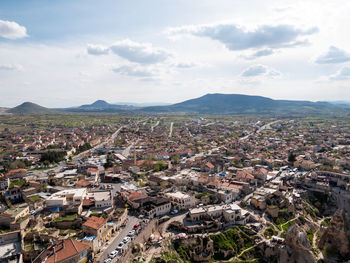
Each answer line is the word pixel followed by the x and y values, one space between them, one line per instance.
pixel 132 220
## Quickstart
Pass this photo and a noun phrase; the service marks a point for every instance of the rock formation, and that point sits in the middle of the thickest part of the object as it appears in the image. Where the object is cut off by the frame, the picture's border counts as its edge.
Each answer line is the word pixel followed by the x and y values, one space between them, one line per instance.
pixel 335 241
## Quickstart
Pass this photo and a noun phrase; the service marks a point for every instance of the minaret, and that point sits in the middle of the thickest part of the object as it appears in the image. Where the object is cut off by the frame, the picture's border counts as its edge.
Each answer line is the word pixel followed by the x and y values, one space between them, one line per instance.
pixel 135 155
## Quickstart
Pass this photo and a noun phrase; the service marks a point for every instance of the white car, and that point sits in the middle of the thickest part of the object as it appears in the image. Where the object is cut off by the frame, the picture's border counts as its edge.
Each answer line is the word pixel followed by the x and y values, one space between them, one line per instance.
pixel 126 239
pixel 107 260
pixel 131 233
pixel 113 254
pixel 120 246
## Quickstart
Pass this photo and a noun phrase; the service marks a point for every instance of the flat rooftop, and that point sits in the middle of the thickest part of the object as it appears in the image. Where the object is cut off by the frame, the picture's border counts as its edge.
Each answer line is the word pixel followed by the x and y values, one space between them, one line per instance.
pixel 178 195
pixel 15 212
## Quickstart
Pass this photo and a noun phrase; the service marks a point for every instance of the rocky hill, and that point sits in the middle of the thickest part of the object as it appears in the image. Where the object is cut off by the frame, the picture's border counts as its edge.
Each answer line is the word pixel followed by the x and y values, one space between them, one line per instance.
pixel 245 104
pixel 30 108
pixel 335 240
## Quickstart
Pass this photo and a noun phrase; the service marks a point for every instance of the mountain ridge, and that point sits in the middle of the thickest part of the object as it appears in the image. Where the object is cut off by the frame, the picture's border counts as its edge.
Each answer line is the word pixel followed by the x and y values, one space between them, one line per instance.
pixel 217 103
pixel 211 103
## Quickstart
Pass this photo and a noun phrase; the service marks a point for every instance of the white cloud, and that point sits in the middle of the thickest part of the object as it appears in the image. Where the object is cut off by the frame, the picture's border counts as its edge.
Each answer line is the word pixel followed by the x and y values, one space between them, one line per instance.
pixel 143 53
pixel 11 67
pixel 134 70
pixel 255 70
pixel 260 71
pixel 185 65
pixel 97 49
pixel 263 38
pixel 263 52
pixel 12 30
pixel 342 74
pixel 334 55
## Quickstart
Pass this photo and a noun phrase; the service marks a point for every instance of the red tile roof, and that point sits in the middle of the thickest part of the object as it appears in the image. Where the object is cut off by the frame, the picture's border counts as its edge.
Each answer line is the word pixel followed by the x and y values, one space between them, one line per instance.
pixel 133 196
pixel 65 249
pixel 209 165
pixel 83 183
pixel 88 202
pixel 95 222
pixel 16 171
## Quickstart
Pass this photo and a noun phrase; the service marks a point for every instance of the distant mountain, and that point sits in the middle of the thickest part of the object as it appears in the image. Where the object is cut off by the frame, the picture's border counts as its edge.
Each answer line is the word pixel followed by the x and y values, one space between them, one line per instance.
pixel 99 104
pixel 340 102
pixel 146 104
pixel 3 111
pixel 30 108
pixel 207 104
pixel 245 104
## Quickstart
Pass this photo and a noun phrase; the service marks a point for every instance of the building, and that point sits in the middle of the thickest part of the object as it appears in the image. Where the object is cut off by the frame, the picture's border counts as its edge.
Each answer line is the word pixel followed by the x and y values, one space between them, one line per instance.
pixel 66 251
pixel 134 198
pixel 156 206
pixel 4 183
pixel 181 201
pixel 97 227
pixel 101 199
pixel 232 213
pixel 10 216
pixel 67 199
pixel 10 247
pixel 14 194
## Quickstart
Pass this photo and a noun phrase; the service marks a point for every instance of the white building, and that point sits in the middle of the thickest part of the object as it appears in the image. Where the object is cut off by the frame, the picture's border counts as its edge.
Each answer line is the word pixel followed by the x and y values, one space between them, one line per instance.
pixel 181 201
pixel 69 197
pixel 102 199
pixel 231 213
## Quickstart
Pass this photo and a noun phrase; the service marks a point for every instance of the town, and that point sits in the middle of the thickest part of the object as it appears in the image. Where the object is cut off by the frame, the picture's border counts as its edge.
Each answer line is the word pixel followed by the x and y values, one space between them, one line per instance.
pixel 172 188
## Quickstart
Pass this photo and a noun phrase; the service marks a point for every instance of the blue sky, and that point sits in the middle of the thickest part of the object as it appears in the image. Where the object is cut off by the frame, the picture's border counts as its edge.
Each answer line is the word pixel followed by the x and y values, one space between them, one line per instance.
pixel 65 53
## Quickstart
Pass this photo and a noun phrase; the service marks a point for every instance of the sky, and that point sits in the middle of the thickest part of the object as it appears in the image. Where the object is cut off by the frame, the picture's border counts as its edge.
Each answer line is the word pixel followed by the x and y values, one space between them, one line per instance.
pixel 66 53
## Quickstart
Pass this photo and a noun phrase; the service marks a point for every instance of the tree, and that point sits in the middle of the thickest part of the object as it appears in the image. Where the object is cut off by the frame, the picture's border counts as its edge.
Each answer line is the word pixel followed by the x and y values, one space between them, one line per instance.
pixel 109 163
pixel 175 159
pixel 83 148
pixel 46 163
pixel 160 166
pixel 52 156
pixel 291 157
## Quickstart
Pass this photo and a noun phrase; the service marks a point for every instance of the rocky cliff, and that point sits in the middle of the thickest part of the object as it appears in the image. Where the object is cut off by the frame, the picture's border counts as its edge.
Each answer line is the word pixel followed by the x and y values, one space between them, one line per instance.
pixel 296 248
pixel 335 240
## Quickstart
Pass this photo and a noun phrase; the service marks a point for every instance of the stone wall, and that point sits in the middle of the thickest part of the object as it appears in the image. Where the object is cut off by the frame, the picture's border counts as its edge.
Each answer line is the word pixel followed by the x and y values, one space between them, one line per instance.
pixel 67 224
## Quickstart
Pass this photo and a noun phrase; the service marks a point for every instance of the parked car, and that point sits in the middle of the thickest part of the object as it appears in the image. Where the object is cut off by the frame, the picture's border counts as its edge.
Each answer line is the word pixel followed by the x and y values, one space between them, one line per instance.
pixel 126 239
pixel 136 226
pixel 120 246
pixel 131 233
pixel 107 260
pixel 113 254
pixel 174 212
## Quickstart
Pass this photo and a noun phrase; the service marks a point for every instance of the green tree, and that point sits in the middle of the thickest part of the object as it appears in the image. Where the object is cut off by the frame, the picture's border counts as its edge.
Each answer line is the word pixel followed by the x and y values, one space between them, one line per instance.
pixel 160 166
pixel 46 163
pixel 175 159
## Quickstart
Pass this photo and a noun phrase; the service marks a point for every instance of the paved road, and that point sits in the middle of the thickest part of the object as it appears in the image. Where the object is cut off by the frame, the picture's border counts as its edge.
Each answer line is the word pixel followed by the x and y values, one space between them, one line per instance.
pixel 208 124
pixel 171 129
pixel 62 164
pixel 266 126
pixel 113 136
pixel 155 126
pixel 126 151
pixel 132 220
